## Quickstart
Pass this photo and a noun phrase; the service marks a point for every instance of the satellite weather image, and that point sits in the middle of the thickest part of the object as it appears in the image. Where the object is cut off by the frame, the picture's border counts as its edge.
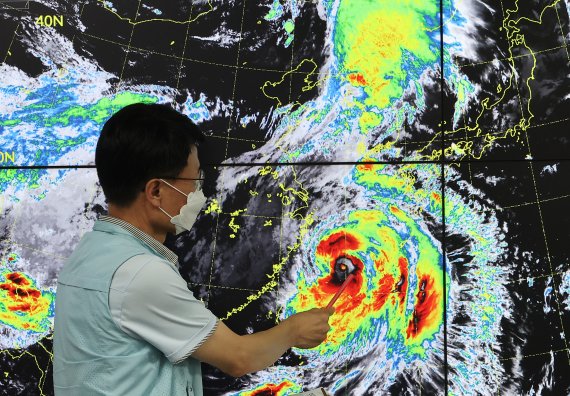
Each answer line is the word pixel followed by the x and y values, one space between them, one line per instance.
pixel 421 146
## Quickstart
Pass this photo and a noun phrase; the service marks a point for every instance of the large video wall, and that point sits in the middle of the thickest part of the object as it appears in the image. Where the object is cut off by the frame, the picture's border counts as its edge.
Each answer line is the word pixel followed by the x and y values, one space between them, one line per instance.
pixel 423 145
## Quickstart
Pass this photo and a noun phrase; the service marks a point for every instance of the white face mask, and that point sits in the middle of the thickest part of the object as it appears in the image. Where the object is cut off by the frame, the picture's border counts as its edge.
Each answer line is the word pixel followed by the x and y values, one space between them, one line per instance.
pixel 188 213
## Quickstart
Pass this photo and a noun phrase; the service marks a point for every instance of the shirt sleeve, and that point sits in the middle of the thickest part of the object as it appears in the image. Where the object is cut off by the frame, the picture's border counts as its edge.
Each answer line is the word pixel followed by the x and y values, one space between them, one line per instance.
pixel 151 301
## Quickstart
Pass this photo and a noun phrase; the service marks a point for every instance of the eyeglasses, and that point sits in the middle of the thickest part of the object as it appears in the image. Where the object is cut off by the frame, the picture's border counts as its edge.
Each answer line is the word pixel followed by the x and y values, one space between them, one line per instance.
pixel 199 180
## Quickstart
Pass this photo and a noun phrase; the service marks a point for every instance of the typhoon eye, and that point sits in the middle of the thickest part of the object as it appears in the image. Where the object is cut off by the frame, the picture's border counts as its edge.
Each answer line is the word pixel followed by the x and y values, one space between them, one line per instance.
pixel 342 268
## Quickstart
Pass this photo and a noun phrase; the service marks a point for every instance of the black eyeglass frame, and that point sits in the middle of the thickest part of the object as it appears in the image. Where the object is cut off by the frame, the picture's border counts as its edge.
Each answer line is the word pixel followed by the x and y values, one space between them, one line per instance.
pixel 199 180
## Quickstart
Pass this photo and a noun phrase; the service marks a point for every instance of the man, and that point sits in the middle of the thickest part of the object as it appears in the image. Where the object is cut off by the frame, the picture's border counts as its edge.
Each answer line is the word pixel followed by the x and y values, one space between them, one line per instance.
pixel 125 321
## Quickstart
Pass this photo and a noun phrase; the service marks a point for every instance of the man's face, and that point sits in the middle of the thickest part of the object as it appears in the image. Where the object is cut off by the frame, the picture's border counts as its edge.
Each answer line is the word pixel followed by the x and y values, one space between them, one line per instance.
pixel 173 200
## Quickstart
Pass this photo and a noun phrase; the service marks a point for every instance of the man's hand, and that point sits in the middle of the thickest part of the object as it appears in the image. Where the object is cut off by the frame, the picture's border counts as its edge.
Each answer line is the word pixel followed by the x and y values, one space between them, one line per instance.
pixel 310 328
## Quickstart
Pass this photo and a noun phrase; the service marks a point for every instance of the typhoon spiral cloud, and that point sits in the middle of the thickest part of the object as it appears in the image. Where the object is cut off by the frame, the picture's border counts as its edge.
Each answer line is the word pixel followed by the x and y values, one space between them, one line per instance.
pixel 397 280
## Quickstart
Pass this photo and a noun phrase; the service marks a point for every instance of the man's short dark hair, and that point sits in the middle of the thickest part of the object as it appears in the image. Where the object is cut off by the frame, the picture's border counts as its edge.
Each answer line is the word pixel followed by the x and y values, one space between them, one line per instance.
pixel 140 142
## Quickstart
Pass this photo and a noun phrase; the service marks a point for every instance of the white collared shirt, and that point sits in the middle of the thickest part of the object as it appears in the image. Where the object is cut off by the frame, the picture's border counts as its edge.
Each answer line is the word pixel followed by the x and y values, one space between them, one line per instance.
pixel 150 300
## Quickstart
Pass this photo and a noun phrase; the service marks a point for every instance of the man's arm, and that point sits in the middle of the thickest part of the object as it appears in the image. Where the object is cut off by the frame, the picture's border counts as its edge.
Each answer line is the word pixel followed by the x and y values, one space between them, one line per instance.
pixel 238 355
pixel 173 321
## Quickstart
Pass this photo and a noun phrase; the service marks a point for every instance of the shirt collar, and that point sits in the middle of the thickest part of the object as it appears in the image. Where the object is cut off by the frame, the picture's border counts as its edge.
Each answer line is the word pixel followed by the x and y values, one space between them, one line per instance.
pixel 144 237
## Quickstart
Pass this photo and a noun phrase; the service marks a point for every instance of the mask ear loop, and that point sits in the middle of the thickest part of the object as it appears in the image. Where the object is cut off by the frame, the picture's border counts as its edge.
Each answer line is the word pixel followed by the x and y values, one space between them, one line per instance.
pixel 164 211
pixel 170 185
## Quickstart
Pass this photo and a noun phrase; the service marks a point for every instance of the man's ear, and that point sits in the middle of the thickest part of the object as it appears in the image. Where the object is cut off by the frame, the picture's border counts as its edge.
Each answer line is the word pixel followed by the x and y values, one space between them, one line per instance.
pixel 153 192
